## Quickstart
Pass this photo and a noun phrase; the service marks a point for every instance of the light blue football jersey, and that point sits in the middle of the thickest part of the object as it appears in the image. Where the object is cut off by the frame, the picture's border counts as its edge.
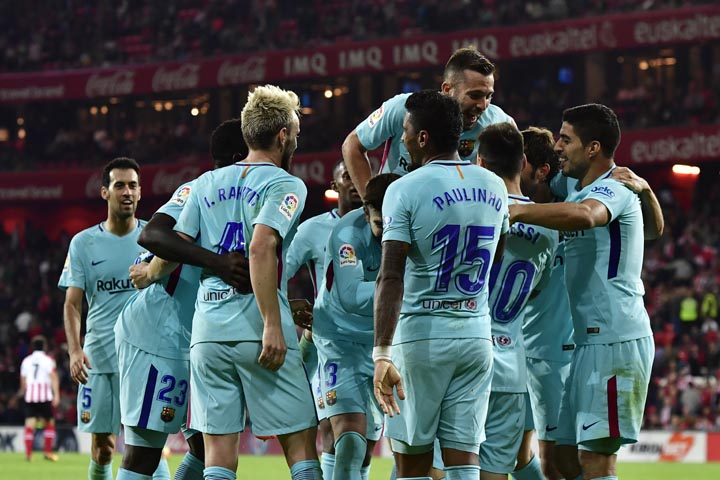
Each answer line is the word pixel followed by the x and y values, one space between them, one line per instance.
pixel 547 324
pixel 452 213
pixel 385 124
pixel 308 246
pixel 221 213
pixel 98 263
pixel 603 265
pixel 344 306
pixel 526 262
pixel 158 319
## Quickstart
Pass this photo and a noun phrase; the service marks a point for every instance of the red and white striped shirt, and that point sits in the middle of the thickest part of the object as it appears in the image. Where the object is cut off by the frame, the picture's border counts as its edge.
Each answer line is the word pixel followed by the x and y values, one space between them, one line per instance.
pixel 37 369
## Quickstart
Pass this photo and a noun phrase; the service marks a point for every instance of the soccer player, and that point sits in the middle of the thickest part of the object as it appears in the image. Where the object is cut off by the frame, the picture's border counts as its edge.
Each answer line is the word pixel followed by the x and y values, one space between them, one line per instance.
pixel 528 253
pixel 468 78
pixel 343 333
pixel 308 248
pixel 97 266
pixel 446 222
pixel 244 345
pixel 152 338
pixel 602 222
pixel 40 386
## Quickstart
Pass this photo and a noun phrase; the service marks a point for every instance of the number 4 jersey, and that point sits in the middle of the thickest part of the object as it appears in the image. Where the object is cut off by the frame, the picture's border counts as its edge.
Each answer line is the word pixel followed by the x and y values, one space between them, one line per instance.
pixel 221 213
pixel 526 265
pixel 452 213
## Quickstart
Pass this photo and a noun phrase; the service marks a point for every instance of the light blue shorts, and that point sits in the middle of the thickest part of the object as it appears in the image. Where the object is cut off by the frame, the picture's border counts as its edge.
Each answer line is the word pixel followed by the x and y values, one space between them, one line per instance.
pixel 346 376
pixel 606 391
pixel 141 437
pixel 447 387
pixel 153 389
pixel 225 376
pixel 546 380
pixel 504 431
pixel 98 404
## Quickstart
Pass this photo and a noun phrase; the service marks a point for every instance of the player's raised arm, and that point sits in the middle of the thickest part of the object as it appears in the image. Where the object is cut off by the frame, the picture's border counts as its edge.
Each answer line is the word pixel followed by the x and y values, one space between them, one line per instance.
pixel 357 162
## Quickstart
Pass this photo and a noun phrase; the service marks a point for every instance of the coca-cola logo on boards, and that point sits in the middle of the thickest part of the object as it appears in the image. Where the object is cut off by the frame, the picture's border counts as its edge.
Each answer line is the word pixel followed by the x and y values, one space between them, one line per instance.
pixel 165 182
pixel 121 82
pixel 185 77
pixel 251 70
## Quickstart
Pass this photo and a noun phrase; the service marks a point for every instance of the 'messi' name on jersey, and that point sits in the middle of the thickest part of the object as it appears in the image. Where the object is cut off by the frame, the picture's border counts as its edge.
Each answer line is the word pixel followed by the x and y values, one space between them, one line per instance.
pixel 467 195
pixel 114 285
pixel 525 231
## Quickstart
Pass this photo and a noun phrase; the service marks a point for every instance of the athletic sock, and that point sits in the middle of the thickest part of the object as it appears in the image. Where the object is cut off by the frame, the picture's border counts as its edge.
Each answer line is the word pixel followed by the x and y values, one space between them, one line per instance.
pixel 49 437
pixel 462 472
pixel 393 473
pixel 531 471
pixel 162 472
pixel 29 434
pixel 365 473
pixel 129 475
pixel 327 465
pixel 306 470
pixel 350 449
pixel 218 473
pixel 99 472
pixel 191 468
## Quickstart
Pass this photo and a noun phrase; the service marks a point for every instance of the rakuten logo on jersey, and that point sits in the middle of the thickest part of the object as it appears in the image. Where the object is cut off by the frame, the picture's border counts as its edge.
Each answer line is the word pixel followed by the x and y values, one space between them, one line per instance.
pixel 121 82
pixel 114 286
pixel 249 71
pixel 695 146
pixel 185 77
pixel 678 29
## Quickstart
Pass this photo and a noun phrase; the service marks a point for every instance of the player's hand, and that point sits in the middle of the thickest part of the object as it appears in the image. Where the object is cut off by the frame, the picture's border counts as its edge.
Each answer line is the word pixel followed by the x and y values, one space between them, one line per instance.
pixel 273 349
pixel 139 275
pixel 386 377
pixel 78 363
pixel 55 401
pixel 302 312
pixel 628 178
pixel 234 269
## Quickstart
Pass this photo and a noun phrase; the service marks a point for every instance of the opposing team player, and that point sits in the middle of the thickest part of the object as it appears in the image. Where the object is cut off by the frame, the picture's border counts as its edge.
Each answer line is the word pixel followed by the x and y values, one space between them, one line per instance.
pixel 343 333
pixel 524 268
pixel 602 223
pixel 308 248
pixel 244 345
pixel 97 266
pixel 40 386
pixel 446 223
pixel 468 78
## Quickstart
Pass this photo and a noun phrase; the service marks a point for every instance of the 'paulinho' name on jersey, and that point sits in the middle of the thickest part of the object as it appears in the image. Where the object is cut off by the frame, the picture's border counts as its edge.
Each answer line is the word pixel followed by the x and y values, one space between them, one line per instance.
pixel 221 213
pixel 452 213
pixel 344 307
pixel 525 266
pixel 385 124
pixel 158 319
pixel 603 264
pixel 98 263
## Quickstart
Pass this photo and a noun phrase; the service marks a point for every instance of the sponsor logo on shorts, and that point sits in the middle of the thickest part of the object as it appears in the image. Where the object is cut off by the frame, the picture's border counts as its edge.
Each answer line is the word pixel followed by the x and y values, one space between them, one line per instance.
pixel 289 205
pixel 167 414
pixel 85 417
pixel 375 116
pixel 320 402
pixel 593 330
pixel 331 397
pixel 466 147
pixel 502 340
pixel 568 347
pixel 585 427
pixel 347 255
pixel 548 428
pixel 603 190
pixel 450 305
pixel 181 196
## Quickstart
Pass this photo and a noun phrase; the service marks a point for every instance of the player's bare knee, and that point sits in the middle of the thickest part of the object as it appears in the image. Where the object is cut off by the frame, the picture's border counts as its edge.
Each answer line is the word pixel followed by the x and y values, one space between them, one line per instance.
pixel 299 446
pixel 196 446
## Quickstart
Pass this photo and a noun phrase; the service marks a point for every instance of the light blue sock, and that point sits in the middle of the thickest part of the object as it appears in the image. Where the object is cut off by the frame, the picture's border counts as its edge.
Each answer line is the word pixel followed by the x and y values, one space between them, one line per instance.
pixel 191 468
pixel 393 473
pixel 129 475
pixel 162 472
pixel 350 448
pixel 306 470
pixel 365 473
pixel 462 472
pixel 531 471
pixel 99 472
pixel 327 464
pixel 218 473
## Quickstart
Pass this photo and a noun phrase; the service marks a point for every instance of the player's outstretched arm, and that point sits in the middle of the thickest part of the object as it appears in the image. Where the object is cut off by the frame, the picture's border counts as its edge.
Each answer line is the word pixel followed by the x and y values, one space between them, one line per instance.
pixel 357 162
pixel 653 220
pixel 264 275
pixel 159 237
pixel 566 216
pixel 79 362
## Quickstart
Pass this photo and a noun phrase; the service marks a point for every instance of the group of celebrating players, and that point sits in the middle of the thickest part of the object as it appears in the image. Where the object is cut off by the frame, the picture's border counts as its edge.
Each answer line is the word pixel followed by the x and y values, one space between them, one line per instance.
pixel 452 313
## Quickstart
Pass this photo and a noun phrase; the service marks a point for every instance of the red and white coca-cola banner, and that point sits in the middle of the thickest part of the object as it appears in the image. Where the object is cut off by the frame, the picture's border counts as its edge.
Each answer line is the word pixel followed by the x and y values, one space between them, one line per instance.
pixel 666 27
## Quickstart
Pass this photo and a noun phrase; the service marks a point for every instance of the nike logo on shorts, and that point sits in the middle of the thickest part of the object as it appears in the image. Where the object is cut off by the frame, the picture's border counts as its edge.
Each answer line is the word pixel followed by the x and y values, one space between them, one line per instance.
pixel 93 262
pixel 548 428
pixel 585 427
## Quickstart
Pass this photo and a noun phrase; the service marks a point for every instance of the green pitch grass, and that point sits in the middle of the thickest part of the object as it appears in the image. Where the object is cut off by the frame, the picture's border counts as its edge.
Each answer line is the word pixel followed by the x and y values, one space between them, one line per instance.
pixel 73 466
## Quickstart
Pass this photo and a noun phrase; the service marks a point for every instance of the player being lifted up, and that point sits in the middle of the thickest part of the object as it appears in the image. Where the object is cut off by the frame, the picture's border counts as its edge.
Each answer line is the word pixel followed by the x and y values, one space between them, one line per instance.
pixel 343 333
pixel 446 223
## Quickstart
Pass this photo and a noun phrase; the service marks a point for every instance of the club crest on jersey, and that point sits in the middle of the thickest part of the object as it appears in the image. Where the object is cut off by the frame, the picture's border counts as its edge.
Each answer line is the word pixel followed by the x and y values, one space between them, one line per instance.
pixel 289 205
pixel 466 147
pixel 502 340
pixel 167 414
pixel 347 256
pixel 331 397
pixel 375 117
pixel 85 417
pixel 320 402
pixel 603 190
pixel 181 196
